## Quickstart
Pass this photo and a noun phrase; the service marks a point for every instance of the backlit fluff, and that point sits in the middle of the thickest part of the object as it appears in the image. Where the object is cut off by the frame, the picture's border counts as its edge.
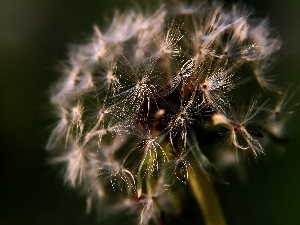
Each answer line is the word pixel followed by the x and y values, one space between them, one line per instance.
pixel 138 102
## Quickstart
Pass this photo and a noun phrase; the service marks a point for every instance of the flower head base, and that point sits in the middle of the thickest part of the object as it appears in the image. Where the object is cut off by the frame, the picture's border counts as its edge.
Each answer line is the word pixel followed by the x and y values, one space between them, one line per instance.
pixel 139 101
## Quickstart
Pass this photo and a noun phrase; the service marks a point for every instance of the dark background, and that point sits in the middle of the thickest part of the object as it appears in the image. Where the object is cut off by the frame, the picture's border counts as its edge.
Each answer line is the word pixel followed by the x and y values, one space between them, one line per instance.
pixel 34 36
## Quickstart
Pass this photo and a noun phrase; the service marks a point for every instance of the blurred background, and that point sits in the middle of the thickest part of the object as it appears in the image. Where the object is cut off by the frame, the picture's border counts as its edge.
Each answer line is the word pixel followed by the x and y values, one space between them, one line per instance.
pixel 34 38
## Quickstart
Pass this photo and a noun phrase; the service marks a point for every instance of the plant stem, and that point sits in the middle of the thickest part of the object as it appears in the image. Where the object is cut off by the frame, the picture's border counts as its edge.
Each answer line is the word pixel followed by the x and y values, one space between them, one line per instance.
pixel 207 199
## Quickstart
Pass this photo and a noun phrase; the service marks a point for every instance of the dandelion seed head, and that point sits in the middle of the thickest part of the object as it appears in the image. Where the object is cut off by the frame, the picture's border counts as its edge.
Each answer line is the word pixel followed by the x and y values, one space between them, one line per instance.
pixel 141 102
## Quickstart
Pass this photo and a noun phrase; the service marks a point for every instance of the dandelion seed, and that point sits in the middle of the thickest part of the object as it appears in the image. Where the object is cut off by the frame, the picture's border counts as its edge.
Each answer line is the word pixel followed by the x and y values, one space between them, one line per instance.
pixel 277 115
pixel 240 136
pixel 138 87
pixel 107 78
pixel 118 175
pixel 206 32
pixel 153 200
pixel 180 76
pixel 214 85
pixel 185 115
pixel 179 166
pixel 76 122
pixel 76 164
pixel 169 44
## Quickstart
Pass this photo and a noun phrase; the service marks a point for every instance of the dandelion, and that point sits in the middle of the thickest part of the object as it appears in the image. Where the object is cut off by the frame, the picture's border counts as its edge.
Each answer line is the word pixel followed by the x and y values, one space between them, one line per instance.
pixel 142 106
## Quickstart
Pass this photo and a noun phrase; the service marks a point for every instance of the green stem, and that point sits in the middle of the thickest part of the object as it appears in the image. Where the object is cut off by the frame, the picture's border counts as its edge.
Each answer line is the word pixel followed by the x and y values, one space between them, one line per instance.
pixel 207 199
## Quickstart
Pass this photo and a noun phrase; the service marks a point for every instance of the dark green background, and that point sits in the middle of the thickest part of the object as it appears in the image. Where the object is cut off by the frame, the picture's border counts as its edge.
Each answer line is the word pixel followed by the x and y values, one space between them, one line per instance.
pixel 34 35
